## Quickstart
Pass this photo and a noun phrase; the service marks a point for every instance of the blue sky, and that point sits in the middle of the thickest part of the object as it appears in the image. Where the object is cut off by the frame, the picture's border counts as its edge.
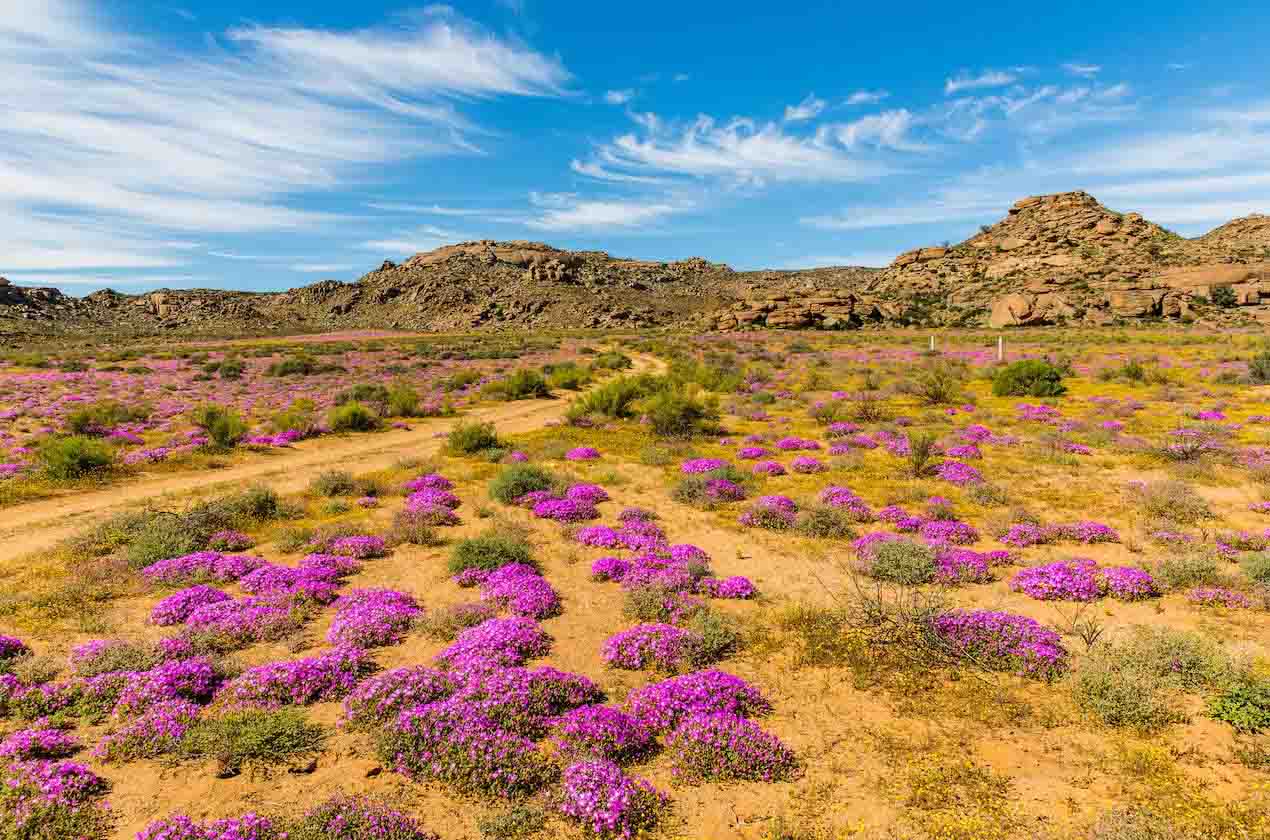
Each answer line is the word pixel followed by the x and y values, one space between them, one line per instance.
pixel 266 145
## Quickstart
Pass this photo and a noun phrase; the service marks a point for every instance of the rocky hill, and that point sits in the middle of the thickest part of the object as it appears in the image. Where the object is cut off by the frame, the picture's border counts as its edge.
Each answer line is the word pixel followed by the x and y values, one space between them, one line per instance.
pixel 1053 259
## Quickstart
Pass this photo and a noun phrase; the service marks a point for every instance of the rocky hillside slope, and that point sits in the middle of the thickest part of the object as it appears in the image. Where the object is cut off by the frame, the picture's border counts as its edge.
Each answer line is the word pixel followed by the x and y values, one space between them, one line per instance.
pixel 1053 259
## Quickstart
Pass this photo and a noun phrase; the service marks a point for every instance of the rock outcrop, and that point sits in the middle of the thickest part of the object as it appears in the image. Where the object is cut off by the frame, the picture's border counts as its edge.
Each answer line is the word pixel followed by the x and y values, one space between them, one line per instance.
pixel 1054 259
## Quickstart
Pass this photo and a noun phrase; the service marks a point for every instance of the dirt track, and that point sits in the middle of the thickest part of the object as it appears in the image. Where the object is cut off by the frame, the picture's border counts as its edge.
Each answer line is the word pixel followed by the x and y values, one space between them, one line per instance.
pixel 40 525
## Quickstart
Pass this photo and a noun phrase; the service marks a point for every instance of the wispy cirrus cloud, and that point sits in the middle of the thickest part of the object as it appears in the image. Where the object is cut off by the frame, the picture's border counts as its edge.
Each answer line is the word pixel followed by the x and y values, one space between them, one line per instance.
pixel 1077 68
pixel 619 97
pixel 146 138
pixel 987 79
pixel 810 108
pixel 565 212
pixel 867 97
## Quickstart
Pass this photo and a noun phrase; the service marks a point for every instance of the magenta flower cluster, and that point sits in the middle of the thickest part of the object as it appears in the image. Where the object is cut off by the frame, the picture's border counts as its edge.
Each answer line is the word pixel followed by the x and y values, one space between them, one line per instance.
pixel 1082 579
pixel 1003 641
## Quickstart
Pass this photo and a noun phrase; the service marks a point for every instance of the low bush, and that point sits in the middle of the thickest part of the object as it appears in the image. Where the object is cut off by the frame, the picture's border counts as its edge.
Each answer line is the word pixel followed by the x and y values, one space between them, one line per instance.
pixel 352 417
pixel 300 416
pixel 1136 682
pixel 254 738
pixel 1257 567
pixel 614 399
pixel 1182 571
pixel 1028 378
pixel 70 458
pixel 902 561
pixel 163 536
pixel 331 483
pixel 521 385
pixel 1259 368
pixel 470 438
pixel 223 426
pixel 1173 501
pixel 98 418
pixel 679 413
pixel 826 523
pixel 1245 706
pixel 496 547
pixel 518 479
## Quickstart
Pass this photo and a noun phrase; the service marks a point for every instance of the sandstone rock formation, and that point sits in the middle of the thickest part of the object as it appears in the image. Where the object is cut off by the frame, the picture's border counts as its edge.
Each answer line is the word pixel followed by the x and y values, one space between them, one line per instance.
pixel 1053 259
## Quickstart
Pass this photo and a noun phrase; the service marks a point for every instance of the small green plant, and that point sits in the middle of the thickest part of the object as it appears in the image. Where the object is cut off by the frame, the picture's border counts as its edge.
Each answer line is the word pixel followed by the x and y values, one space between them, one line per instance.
pixel 1182 571
pixel 679 413
pixel 99 418
pixel 253 739
pixel 403 401
pixel 300 416
pixel 939 383
pixel 923 450
pixel 522 385
pixel 163 536
pixel 1259 368
pixel 470 438
pixel 496 547
pixel 826 523
pixel 69 458
pixel 331 483
pixel 1028 378
pixel 902 561
pixel 352 417
pixel 520 821
pixel 614 399
pixel 1257 567
pixel 1223 297
pixel 1245 706
pixel 223 426
pixel 518 479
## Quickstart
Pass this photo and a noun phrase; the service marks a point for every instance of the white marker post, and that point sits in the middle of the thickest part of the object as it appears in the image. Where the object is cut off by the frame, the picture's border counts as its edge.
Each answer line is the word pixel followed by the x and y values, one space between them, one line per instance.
pixel 932 344
pixel 1000 348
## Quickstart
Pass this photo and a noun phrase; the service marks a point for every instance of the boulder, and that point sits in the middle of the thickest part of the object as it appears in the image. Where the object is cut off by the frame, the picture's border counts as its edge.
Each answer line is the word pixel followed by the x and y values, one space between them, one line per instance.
pixel 1135 303
pixel 1011 311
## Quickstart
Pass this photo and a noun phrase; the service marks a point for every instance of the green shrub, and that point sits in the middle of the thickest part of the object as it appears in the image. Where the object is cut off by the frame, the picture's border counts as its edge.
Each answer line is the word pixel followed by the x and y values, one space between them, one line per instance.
pixel 520 821
pixel 821 634
pixel 495 548
pixel 1136 682
pixel 223 426
pixel 301 416
pixel 721 637
pixel 352 417
pixel 163 536
pixel 255 738
pixel 1173 501
pixel 1224 297
pixel 460 380
pixel 69 458
pixel 1182 571
pixel 521 385
pixel 1259 368
pixel 331 483
pixel 679 413
pixel 612 361
pixel 939 383
pixel 923 449
pixel 1245 706
pixel 615 399
pixel 372 395
pixel 826 523
pixel 300 365
pixel 902 561
pixel 232 369
pixel 518 479
pixel 98 418
pixel 403 401
pixel 569 376
pixel 1257 567
pixel 1028 378
pixel 470 438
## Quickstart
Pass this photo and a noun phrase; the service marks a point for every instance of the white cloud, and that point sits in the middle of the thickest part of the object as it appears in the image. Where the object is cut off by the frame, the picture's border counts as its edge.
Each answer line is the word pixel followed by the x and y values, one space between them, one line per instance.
pixel 143 138
pixel 569 212
pixel 888 130
pixel 867 97
pixel 1086 70
pixel 107 281
pixel 681 77
pixel 619 97
pixel 986 79
pixel 808 109
pixel 411 242
pixel 740 151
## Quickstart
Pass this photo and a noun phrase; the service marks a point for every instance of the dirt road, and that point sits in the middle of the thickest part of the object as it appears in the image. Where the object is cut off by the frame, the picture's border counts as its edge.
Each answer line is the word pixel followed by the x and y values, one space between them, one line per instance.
pixel 40 525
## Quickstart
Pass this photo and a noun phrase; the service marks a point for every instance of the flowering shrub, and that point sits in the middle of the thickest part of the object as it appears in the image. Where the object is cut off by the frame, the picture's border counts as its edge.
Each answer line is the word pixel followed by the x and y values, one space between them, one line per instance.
pixel 26 744
pixel 565 510
pixel 1003 641
pixel 592 494
pixel 451 741
pixel 582 453
pixel 601 732
pixel 956 472
pixel 519 589
pixel 735 587
pixel 229 541
pixel 948 532
pixel 708 746
pixel 379 700
pixel 525 700
pixel 431 481
pixel 228 625
pixel 47 799
pixel 185 679
pixel 1218 596
pixel 362 547
pixel 1081 579
pixel 357 818
pixel 661 646
pixel 805 464
pixel 775 513
pixel 328 676
pixel 432 497
pixel 367 618
pixel 791 444
pixel 181 827
pixel 500 641
pixel 609 568
pixel 201 566
pixel 844 497
pixel 772 468
pixel 724 490
pixel 662 705
pixel 607 801
pixel 156 732
pixel 176 608
pixel 960 565
pixel 598 536
pixel 750 453
pixel 696 466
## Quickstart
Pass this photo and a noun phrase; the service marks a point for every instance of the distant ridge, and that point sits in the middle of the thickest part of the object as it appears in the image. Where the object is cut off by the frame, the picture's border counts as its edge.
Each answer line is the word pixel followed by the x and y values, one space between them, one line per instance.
pixel 1053 259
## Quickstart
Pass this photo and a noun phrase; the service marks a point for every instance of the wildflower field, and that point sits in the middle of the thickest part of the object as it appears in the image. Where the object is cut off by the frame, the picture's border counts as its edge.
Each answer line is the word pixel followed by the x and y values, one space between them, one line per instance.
pixel 787 586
